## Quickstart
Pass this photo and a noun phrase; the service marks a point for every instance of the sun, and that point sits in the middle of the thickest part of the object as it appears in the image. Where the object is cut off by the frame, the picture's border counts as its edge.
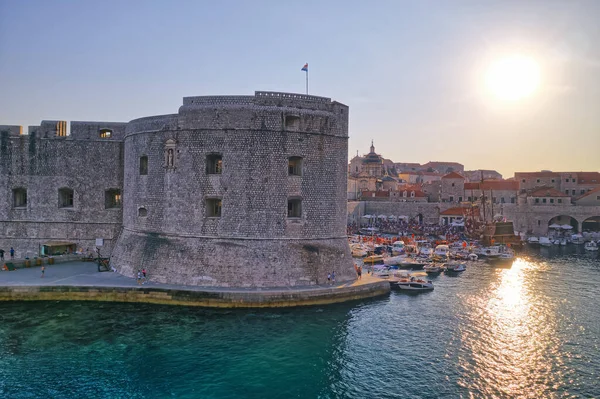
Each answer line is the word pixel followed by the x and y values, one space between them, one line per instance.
pixel 513 78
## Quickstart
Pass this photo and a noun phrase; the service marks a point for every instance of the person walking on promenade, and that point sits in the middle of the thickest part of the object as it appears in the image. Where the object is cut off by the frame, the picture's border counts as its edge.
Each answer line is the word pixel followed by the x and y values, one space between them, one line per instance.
pixel 333 277
pixel 12 253
pixel 144 275
pixel 139 277
pixel 43 270
pixel 328 278
pixel 1 254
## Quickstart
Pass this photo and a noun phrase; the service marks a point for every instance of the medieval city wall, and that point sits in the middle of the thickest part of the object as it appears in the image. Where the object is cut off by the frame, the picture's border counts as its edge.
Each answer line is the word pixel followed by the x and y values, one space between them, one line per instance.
pixel 42 163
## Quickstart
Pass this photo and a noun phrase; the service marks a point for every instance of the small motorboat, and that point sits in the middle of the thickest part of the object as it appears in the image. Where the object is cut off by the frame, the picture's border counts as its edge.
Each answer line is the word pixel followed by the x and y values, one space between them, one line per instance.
pixel 433 268
pixel 504 259
pixel 591 246
pixel 442 251
pixel 398 247
pixel 545 242
pixel 410 282
pixel 455 267
pixel 577 239
pixel 533 241
pixel 472 257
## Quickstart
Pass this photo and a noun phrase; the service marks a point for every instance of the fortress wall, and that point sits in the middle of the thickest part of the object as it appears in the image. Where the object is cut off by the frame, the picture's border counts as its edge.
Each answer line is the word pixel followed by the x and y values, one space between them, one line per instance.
pixel 44 165
pixel 91 130
pixel 253 238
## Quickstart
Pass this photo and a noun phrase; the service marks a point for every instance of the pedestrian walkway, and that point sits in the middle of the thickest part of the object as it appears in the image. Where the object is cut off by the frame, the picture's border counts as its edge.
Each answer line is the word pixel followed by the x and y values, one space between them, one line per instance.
pixel 85 275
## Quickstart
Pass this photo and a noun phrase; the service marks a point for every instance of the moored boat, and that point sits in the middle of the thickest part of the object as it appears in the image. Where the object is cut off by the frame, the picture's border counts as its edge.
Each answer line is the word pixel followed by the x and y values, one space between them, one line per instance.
pixel 410 282
pixel 591 246
pixel 433 268
pixel 455 267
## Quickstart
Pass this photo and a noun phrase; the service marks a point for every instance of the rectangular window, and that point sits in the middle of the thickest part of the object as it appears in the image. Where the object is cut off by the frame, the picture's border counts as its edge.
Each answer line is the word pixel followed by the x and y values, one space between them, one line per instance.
pixel 566 180
pixel 65 198
pixel 20 198
pixel 213 207
pixel 470 199
pixel 512 200
pixel 459 199
pixel 451 198
pixel 544 200
pixel 295 166
pixel 598 197
pixel 582 191
pixel 294 208
pixel 552 180
pixel 112 199
pixel 539 222
pixel 143 165
pixel 552 200
pixel 494 200
pixel 502 200
pixel 559 201
pixel 573 192
pixel 567 192
pixel 538 180
pixel 523 181
pixel 214 164
pixel 292 122
pixel 537 200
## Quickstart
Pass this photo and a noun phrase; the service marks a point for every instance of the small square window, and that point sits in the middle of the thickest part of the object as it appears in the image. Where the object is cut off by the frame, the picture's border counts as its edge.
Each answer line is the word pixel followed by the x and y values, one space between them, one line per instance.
pixel 544 200
pixel 213 207
pixel 295 166
pixel 538 180
pixel 452 184
pixel 143 165
pixel 582 192
pixel 552 200
pixel 294 208
pixel 552 180
pixel 105 133
pixel 598 197
pixel 451 198
pixel 214 164
pixel 142 212
pixel 112 198
pixel 537 200
pixel 20 198
pixel 65 198
pixel 459 199
pixel 559 201
pixel 523 181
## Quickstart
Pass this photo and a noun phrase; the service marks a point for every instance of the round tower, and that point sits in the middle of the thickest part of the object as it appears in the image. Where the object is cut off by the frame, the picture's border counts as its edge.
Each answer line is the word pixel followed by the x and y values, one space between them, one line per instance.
pixel 237 191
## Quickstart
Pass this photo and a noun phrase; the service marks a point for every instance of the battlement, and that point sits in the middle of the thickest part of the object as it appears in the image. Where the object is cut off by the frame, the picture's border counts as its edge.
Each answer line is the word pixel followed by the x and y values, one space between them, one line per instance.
pixel 262 98
pixel 12 130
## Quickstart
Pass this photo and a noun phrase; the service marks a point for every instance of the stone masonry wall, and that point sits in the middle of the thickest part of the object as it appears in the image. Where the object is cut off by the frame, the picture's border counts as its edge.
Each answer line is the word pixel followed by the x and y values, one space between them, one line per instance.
pixel 42 166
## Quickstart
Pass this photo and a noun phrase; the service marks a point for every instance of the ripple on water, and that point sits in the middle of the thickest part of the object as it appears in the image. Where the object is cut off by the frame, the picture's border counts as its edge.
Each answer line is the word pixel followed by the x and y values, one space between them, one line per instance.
pixel 528 331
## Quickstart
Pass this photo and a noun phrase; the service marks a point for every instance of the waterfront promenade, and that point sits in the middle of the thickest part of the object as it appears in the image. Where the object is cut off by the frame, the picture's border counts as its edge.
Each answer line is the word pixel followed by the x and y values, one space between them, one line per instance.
pixel 81 281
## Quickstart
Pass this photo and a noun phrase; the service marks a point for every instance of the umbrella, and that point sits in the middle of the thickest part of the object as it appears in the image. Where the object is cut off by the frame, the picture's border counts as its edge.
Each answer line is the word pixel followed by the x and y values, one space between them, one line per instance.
pixel 382 217
pixel 367 216
pixel 554 226
pixel 566 226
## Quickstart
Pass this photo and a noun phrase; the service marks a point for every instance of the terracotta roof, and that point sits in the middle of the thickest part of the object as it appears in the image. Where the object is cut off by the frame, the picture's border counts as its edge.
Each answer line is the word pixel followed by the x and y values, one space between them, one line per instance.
pixel 500 185
pixel 443 163
pixel 454 211
pixel 471 186
pixel 453 175
pixel 588 178
pixel 547 192
pixel 521 175
pixel 594 191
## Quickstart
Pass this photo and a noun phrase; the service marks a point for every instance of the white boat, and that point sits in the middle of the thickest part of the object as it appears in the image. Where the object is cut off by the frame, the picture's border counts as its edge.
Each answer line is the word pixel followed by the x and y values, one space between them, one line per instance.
pixel 395 260
pixel 545 242
pixel 472 257
pixel 533 241
pixel 397 247
pixel 442 250
pixel 358 251
pixel 489 251
pixel 425 248
pixel 410 282
pixel 505 258
pixel 563 241
pixel 591 246
pixel 455 267
pixel 577 239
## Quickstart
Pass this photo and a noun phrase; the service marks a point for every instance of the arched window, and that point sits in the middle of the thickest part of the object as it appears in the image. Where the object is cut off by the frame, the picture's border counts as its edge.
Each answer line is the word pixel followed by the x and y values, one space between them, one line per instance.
pixel 142 212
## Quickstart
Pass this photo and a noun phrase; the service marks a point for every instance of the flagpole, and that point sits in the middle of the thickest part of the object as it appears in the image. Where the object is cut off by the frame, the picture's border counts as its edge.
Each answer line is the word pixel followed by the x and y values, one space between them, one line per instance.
pixel 307 80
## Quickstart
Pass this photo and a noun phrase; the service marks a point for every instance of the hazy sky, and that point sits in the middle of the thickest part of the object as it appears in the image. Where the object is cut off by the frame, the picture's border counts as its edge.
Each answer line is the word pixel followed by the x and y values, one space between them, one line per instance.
pixel 411 72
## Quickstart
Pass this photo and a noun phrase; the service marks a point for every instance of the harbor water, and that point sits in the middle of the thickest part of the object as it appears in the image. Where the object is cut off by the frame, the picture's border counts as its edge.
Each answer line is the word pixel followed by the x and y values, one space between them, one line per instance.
pixel 531 330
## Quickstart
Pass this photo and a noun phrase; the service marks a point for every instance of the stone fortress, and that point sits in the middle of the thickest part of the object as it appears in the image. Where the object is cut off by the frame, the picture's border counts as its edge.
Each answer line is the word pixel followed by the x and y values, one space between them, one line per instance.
pixel 232 191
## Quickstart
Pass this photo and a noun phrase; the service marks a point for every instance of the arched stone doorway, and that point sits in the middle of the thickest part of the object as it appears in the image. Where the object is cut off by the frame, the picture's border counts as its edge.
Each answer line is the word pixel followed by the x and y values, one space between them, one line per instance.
pixel 563 220
pixel 591 224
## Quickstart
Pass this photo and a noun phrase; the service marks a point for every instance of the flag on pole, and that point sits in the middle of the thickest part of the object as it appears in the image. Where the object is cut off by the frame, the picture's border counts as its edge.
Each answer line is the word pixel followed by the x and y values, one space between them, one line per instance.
pixel 305 67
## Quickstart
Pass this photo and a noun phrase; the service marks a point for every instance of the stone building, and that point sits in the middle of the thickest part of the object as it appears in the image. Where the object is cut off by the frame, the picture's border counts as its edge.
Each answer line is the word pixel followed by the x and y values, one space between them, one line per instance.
pixel 453 187
pixel 231 191
pixel 496 191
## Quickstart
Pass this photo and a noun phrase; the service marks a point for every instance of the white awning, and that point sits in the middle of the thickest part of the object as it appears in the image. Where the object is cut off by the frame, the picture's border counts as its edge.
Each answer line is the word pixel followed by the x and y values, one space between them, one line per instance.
pixel 554 226
pixel 566 227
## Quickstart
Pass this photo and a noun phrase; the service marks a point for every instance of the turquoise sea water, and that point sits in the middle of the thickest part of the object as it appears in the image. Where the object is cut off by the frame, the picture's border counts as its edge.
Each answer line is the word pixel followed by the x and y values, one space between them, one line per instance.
pixel 529 331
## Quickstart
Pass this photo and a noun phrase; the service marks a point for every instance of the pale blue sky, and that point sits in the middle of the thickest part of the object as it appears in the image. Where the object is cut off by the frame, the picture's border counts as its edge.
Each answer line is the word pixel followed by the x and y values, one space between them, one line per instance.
pixel 410 71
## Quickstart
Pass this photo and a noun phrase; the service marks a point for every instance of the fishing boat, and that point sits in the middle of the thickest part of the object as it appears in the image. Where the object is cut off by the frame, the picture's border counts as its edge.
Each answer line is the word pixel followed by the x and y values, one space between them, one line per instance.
pixel 591 246
pixel 455 267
